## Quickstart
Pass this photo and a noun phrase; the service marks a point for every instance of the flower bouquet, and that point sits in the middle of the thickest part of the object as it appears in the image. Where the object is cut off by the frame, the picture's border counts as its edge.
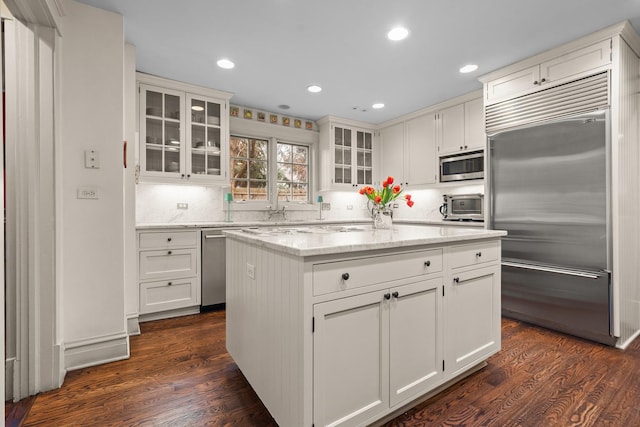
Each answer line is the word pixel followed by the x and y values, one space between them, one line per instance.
pixel 380 199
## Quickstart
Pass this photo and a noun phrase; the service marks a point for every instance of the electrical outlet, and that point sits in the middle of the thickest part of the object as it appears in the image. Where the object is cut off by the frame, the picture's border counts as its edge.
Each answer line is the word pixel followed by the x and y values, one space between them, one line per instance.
pixel 326 206
pixel 87 193
pixel 91 159
pixel 251 271
pixel 183 205
pixel 349 207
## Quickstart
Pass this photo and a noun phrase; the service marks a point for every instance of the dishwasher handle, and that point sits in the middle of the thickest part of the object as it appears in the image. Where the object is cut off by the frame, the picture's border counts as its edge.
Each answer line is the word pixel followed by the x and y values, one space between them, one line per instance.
pixel 215 236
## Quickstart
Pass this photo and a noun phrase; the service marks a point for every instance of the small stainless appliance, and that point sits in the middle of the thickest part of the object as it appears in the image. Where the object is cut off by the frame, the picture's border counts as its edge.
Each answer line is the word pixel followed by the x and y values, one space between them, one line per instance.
pixel 461 207
pixel 213 269
pixel 462 167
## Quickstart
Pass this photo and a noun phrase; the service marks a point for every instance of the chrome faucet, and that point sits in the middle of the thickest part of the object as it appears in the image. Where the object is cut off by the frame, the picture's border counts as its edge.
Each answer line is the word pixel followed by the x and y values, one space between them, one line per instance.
pixel 276 214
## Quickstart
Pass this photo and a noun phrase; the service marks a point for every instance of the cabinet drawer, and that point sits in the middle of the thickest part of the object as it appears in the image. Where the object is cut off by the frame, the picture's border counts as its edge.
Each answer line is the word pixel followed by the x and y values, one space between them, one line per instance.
pixel 168 239
pixel 167 264
pixel 168 295
pixel 328 277
pixel 473 254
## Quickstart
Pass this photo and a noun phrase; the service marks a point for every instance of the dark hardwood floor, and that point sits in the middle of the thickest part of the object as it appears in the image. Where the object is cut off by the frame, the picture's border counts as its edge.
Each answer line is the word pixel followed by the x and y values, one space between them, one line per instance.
pixel 180 375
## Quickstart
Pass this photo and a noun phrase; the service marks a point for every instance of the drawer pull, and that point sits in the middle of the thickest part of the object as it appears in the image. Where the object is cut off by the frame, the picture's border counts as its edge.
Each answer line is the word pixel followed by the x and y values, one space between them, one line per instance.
pixel 345 276
pixel 478 254
pixel 169 253
pixel 387 296
pixel 427 263
pixel 456 279
pixel 170 283
pixel 169 239
pixel 395 294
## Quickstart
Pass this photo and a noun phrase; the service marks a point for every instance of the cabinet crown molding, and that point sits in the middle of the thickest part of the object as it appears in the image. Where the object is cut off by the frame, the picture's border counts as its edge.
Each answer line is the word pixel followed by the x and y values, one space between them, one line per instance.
pixel 182 86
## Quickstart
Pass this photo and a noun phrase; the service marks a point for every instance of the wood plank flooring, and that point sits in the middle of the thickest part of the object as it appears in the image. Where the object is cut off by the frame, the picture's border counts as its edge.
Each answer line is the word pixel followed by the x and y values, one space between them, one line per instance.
pixel 180 375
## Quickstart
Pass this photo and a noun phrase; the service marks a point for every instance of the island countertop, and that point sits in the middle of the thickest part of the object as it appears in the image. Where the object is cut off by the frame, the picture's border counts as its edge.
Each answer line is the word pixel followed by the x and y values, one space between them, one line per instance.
pixel 311 241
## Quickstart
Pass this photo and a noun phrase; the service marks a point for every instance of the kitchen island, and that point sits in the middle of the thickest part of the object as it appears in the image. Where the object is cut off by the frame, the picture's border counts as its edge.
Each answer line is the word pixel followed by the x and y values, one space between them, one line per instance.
pixel 346 325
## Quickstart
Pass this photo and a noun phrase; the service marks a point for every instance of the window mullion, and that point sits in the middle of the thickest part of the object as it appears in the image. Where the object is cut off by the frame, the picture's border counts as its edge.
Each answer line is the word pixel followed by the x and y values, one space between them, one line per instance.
pixel 272 165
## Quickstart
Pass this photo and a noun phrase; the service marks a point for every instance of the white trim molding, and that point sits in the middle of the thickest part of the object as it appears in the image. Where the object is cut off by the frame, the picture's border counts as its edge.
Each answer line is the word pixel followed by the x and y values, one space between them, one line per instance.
pixel 96 351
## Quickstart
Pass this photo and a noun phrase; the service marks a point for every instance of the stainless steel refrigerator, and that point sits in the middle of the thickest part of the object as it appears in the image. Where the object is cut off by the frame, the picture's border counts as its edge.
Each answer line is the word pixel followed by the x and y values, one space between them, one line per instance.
pixel 549 187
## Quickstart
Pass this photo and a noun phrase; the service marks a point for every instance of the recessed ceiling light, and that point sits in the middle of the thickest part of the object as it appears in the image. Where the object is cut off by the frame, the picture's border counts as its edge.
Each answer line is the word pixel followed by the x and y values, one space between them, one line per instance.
pixel 468 68
pixel 314 88
pixel 378 105
pixel 197 108
pixel 398 33
pixel 225 63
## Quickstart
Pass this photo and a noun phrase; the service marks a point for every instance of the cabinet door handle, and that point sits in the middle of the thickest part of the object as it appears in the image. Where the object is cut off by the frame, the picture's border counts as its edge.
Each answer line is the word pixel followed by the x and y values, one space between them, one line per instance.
pixel 169 253
pixel 387 296
pixel 345 276
pixel 478 254
pixel 427 263
pixel 170 283
pixel 456 279
pixel 395 294
pixel 461 147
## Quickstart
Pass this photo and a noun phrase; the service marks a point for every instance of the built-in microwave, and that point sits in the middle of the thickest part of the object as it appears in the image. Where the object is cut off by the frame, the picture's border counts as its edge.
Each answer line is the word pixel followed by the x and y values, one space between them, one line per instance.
pixel 462 167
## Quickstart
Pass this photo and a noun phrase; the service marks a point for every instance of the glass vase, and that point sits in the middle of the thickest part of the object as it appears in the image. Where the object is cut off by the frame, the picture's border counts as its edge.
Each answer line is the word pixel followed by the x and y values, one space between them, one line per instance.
pixel 382 218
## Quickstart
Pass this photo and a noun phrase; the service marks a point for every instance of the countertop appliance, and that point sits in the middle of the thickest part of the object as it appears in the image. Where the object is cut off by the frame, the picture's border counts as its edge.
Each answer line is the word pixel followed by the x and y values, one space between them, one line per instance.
pixel 213 269
pixel 549 188
pixel 463 207
pixel 462 167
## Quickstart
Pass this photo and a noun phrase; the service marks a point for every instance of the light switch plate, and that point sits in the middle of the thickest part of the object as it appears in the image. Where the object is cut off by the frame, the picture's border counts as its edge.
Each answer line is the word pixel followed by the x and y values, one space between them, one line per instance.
pixel 251 271
pixel 183 205
pixel 87 193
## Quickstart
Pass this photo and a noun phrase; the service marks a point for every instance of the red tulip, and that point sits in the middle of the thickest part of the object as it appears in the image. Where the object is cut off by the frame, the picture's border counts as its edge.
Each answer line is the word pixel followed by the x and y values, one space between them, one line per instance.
pixel 389 180
pixel 361 190
pixel 410 203
pixel 378 199
pixel 385 183
pixel 369 190
pixel 407 196
pixel 396 189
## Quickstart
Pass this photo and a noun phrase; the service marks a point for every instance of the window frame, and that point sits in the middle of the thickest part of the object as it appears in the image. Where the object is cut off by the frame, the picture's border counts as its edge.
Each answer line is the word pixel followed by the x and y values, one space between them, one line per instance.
pixel 272 201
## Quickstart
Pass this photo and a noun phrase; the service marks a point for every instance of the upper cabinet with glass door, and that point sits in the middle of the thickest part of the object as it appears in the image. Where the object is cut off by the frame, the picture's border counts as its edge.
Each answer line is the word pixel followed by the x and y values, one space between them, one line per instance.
pixel 346 154
pixel 184 132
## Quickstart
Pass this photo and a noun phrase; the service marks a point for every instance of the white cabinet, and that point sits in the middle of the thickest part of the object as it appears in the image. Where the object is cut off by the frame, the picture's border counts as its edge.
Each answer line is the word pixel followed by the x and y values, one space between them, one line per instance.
pixel 408 151
pixel 168 271
pixel 346 152
pixel 472 305
pixel 376 350
pixel 568 66
pixel 183 136
pixel 460 128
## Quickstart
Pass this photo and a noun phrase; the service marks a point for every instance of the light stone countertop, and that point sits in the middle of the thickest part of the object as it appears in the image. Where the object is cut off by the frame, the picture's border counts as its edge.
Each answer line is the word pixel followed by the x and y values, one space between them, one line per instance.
pixel 294 223
pixel 311 241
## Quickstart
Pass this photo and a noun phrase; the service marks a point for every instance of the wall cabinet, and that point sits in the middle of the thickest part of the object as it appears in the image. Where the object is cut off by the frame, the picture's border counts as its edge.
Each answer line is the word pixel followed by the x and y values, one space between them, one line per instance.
pixel 183 136
pixel 408 151
pixel 168 271
pixel 460 128
pixel 346 152
pixel 566 67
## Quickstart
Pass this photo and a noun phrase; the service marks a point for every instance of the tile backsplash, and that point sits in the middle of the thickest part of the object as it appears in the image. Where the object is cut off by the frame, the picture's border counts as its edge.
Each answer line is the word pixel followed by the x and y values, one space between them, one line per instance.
pixel 158 204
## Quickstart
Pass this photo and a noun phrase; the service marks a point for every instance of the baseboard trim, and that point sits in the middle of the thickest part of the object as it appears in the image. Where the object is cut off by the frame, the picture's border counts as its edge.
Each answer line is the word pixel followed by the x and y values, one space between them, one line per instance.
pixel 9 367
pixel 96 351
pixel 169 314
pixel 133 326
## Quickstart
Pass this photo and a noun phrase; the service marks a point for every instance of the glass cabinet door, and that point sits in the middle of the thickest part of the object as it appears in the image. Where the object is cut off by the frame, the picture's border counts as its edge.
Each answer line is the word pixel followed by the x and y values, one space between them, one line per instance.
pixel 364 158
pixel 162 131
pixel 204 138
pixel 342 155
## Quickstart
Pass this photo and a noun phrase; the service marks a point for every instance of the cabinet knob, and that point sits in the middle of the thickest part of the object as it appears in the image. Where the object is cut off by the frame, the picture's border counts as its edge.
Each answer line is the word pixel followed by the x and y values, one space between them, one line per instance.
pixel 182 175
pixel 456 279
pixel 345 276
pixel 461 147
pixel 465 147
pixel 395 294
pixel 427 263
pixel 478 254
pixel 170 283
pixel 188 175
pixel 543 80
pixel 387 296
pixel 169 253
pixel 535 82
pixel 168 239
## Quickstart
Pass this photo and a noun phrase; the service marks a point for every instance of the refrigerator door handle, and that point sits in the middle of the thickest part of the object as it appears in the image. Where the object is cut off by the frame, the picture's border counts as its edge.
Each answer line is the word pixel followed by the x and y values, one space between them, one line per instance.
pixel 550 269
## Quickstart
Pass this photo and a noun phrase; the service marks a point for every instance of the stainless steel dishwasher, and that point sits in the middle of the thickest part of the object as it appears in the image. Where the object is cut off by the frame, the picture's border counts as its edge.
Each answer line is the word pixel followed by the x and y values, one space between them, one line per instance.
pixel 213 269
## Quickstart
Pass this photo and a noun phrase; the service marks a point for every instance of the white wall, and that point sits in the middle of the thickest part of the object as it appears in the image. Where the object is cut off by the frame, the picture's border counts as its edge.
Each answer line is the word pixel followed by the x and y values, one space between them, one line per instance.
pixel 91 59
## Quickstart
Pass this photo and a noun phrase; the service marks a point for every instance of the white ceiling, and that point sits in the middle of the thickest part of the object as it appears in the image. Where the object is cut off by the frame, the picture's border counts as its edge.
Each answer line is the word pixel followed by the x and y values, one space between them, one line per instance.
pixel 282 46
